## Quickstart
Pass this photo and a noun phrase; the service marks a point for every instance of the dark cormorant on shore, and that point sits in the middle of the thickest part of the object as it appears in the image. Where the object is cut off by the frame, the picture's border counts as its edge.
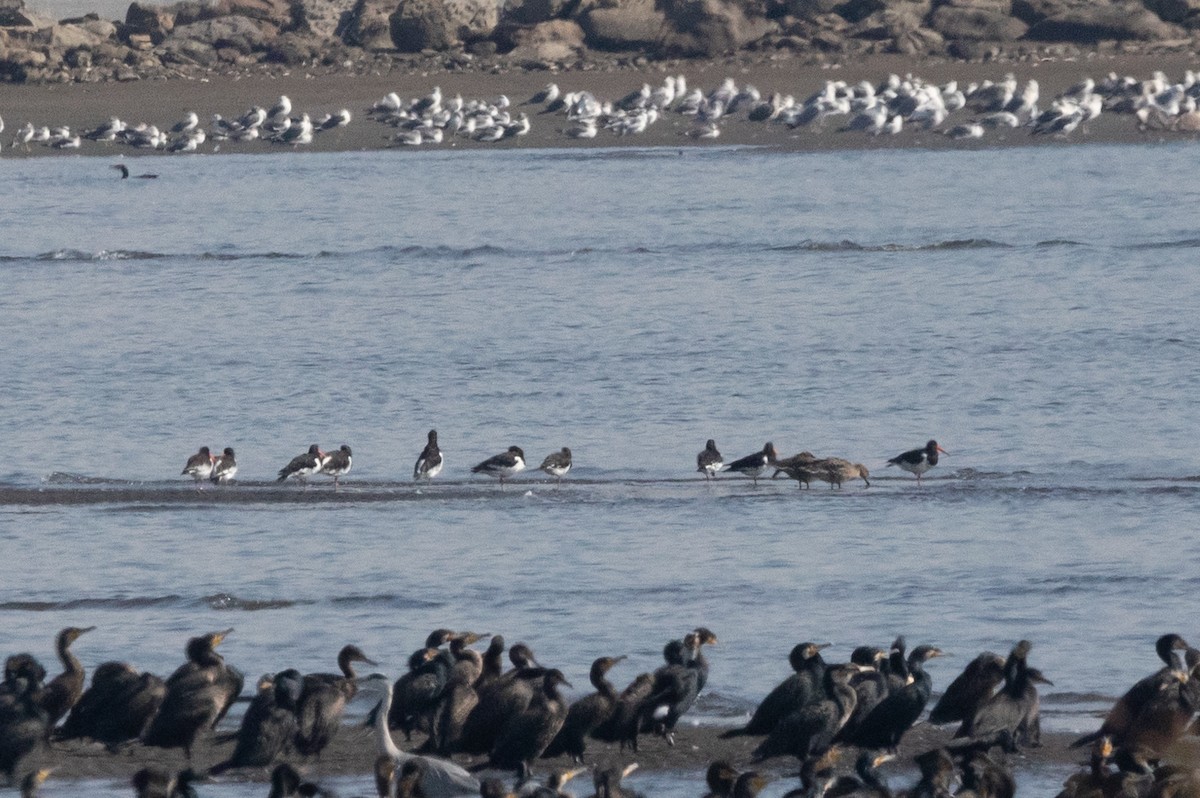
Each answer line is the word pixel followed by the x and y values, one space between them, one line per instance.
pixel 269 725
pixel 720 778
pixel 970 689
pixel 894 715
pixel 117 706
pixel 417 692
pixel 458 697
pixel 938 775
pixel 23 723
pixel 622 726
pixel 1005 715
pixel 158 783
pixel 323 699
pixel 789 695
pixel 286 782
pixel 31 785
pixel 22 672
pixel 586 714
pixel 674 689
pixel 868 782
pixel 64 690
pixel 525 736
pixel 984 777
pixel 199 693
pixel 504 699
pixel 1155 711
pixel 808 732
pixel 895 667
pixel 870 685
pixel 555 786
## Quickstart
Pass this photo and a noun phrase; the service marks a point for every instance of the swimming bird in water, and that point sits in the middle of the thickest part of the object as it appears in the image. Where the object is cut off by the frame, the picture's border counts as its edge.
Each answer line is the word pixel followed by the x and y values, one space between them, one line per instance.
pixel 918 461
pixel 709 461
pixel 63 691
pixel 557 464
pixel 31 785
pixel 337 464
pixel 302 466
pixel 752 465
pixel 124 170
pixel 505 464
pixel 199 466
pixel 225 468
pixel 199 693
pixel 430 461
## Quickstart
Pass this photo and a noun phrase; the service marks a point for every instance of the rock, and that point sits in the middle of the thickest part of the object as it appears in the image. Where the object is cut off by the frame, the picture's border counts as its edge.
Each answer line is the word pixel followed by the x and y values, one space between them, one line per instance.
pixel 321 18
pixel 1101 22
pixel 277 12
pixel 176 50
pixel 191 11
pixel 153 21
pixel 441 24
pixel 554 41
pixel 67 37
pixel 979 24
pixel 14 14
pixel 919 41
pixel 239 33
pixel 711 27
pixel 812 9
pixel 368 25
pixel 293 49
pixel 1177 11
pixel 887 24
pixel 635 25
pixel 101 28
pixel 533 12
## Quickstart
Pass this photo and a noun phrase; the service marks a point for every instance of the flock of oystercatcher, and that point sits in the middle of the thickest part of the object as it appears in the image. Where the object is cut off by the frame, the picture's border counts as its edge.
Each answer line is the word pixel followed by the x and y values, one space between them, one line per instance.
pixel 804 467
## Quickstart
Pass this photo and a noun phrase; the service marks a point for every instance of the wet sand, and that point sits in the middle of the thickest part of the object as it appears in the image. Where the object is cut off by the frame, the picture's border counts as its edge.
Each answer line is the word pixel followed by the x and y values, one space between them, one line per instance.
pixel 352 753
pixel 163 102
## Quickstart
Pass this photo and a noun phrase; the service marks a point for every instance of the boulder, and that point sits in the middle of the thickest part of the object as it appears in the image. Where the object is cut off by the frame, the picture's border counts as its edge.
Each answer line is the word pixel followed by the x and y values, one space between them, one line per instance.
pixel 712 27
pixel 553 41
pixel 441 24
pixel 69 37
pixel 634 25
pixel 1177 11
pixel 177 50
pixel 979 24
pixel 277 12
pixel 812 9
pixel 858 10
pixel 293 49
pixel 14 14
pixel 919 41
pixel 191 11
pixel 321 18
pixel 533 12
pixel 153 21
pixel 368 24
pixel 1103 22
pixel 239 33
pixel 890 23
pixel 101 28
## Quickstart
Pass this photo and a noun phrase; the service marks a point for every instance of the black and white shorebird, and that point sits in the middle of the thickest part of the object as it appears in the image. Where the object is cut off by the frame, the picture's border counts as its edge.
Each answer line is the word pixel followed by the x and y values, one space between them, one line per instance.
pixel 304 465
pixel 429 463
pixel 752 465
pixel 199 466
pixel 557 464
pixel 502 465
pixel 337 464
pixel 709 462
pixel 225 467
pixel 918 461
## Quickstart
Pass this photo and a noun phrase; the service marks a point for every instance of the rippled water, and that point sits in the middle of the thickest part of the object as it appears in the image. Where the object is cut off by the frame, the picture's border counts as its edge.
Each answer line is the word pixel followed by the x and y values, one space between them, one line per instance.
pixel 1034 310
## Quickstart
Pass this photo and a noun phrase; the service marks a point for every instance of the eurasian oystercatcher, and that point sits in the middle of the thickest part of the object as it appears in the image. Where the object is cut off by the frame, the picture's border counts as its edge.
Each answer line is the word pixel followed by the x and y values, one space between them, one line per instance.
pixel 557 464
pixel 199 466
pixel 502 465
pixel 918 461
pixel 304 465
pixel 225 467
pixel 752 465
pixel 429 464
pixel 709 461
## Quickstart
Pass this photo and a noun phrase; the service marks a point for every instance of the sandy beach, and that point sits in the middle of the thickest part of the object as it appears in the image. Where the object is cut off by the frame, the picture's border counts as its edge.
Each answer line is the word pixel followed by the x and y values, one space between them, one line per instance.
pixel 164 102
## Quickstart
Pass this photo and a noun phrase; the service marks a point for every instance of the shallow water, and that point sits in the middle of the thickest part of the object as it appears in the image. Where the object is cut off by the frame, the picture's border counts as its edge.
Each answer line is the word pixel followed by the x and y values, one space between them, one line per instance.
pixel 1031 309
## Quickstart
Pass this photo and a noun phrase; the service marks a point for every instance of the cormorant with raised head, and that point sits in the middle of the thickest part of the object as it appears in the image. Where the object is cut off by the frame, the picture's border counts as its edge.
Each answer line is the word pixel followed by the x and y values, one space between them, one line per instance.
pixel 502 700
pixel 323 699
pixel 417 692
pixel 199 693
pixel 586 714
pixel 970 689
pixel 1003 716
pixel 809 731
pixel 791 694
pixel 896 714
pixel 525 736
pixel 64 690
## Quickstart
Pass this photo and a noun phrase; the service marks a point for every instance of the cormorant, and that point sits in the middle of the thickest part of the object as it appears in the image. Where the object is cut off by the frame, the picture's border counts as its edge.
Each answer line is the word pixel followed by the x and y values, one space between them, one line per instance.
pixel 869 782
pixel 720 777
pixel 118 705
pixel 417 692
pixel 269 726
pixel 157 783
pixel 983 777
pixel 894 715
pixel 525 736
pixel 607 782
pixel 587 713
pixel 31 785
pixel 24 725
pixel 124 170
pixel 791 694
pixel 709 462
pixel 809 731
pixel 1154 712
pixel 555 786
pixel 870 685
pixel 199 693
pixel 440 778
pixel 63 691
pixel 323 698
pixel 502 700
pixel 286 782
pixel 970 689
pixel 749 784
pixel 674 689
pixel 622 726
pixel 1005 714
pixel 938 775
pixel 458 696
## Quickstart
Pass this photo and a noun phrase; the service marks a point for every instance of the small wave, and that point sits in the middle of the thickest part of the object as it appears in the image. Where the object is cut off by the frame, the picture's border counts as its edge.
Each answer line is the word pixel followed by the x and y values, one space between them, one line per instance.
pixel 1059 242
pixel 224 601
pixel 112 603
pixel 104 254
pixel 388 600
pixel 67 478
pixel 1186 243
pixel 846 245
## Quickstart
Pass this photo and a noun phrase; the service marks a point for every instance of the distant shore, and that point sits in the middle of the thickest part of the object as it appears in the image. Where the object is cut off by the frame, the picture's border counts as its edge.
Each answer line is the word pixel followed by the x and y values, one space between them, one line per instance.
pixel 164 102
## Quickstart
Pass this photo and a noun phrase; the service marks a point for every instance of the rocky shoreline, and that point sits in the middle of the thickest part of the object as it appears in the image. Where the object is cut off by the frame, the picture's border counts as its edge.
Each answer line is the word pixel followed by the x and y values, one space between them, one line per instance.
pixel 201 39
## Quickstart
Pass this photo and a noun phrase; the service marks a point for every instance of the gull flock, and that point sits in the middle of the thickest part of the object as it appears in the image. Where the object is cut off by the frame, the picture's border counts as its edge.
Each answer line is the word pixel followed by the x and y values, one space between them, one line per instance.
pixel 959 112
